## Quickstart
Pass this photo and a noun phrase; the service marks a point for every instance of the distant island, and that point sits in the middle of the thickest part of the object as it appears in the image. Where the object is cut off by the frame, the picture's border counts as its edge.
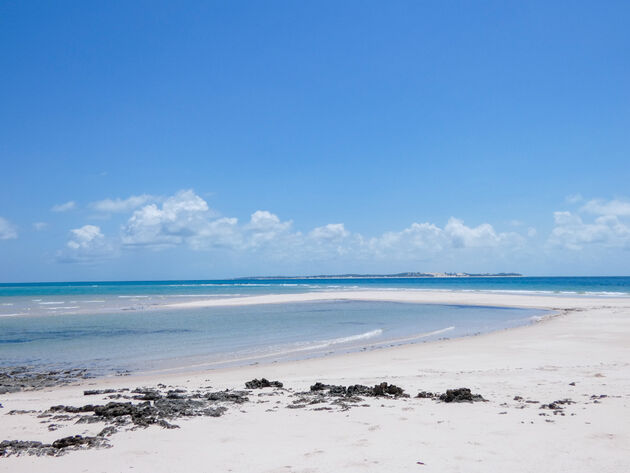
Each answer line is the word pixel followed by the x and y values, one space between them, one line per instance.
pixel 397 275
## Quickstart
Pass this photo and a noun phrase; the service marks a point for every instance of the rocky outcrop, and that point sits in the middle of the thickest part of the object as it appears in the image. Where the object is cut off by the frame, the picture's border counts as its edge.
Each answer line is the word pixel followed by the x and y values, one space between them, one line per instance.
pixel 57 448
pixel 378 390
pixel 24 378
pixel 262 383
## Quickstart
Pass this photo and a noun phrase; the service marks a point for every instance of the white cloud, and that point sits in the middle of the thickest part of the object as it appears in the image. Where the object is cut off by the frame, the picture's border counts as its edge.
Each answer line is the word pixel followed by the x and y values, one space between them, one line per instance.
pixel 481 236
pixel 330 232
pixel 86 244
pixel 181 217
pixel 573 233
pixel 264 228
pixel 220 233
pixel 8 231
pixel 85 237
pixel 611 207
pixel 39 226
pixel 70 205
pixel 122 205
pixel 185 220
pixel 425 240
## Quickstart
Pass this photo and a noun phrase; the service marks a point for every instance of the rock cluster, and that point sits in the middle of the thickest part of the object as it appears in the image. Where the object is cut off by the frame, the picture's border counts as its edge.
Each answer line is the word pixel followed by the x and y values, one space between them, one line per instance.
pixel 262 383
pixel 378 390
pixel 57 448
pixel 21 378
pixel 156 408
pixel 452 395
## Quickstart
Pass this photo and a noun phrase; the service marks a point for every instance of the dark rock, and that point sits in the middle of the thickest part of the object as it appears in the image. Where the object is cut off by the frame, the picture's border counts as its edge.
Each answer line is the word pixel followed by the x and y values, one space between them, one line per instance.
pixel 93 392
pixel 72 409
pixel 378 390
pixel 21 378
pixel 147 394
pixel 319 386
pixel 426 395
pixel 237 397
pixel 262 383
pixel 385 389
pixel 58 447
pixel 107 431
pixel 460 395
pixel 557 405
pixel 76 440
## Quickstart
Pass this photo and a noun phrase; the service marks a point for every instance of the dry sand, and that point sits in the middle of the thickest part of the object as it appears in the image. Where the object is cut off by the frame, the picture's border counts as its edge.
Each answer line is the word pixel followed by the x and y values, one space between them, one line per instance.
pixel 583 351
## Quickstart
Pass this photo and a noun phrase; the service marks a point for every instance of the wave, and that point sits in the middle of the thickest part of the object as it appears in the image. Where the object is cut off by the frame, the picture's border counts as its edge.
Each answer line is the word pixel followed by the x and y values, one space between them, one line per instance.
pixel 338 341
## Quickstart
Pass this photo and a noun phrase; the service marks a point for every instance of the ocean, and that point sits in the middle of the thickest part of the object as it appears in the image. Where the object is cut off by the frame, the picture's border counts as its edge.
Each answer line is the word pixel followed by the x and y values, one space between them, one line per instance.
pixel 111 327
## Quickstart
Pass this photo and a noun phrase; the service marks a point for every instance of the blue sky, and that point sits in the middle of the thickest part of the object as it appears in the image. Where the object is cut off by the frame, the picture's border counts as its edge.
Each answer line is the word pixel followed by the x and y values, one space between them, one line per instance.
pixel 164 140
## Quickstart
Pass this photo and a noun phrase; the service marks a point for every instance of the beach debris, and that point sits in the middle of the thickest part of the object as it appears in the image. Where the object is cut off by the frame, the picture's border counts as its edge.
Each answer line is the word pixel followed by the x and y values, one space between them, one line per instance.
pixel 262 383
pixel 57 448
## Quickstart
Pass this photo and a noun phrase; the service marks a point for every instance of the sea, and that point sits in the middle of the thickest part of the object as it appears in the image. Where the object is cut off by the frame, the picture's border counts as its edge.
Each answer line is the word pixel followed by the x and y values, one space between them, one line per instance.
pixel 121 327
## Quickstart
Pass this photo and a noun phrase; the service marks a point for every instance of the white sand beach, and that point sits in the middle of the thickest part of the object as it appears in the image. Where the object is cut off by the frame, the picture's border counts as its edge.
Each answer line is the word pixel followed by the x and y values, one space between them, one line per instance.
pixel 582 353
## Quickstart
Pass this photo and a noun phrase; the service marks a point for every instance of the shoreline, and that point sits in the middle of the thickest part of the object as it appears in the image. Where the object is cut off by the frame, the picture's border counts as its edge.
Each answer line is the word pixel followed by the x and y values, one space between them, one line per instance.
pixel 580 355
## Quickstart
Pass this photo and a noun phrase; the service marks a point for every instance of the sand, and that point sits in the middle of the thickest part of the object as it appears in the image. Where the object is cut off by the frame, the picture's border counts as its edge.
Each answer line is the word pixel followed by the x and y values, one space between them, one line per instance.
pixel 581 352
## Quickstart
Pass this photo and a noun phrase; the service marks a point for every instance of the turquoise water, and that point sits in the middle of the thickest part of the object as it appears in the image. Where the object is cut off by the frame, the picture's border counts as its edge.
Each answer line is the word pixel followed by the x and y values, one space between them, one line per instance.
pixel 110 326
pixel 219 336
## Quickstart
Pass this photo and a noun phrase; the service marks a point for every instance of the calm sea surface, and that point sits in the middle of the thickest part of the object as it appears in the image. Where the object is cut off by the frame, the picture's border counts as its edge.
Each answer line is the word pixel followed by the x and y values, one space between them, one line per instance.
pixel 112 326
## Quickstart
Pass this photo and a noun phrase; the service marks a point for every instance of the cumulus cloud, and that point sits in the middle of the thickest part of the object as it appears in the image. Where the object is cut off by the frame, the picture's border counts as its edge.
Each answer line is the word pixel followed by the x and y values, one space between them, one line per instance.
pixel 179 218
pixel 8 231
pixel 573 233
pixel 602 223
pixel 86 244
pixel 265 227
pixel 186 220
pixel 122 205
pixel 70 205
pixel 85 237
pixel 481 236
pixel 611 207
pixel 426 239
pixel 330 232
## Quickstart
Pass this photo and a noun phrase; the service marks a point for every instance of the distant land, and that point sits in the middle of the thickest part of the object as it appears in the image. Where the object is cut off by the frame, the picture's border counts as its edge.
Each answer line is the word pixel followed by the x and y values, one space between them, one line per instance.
pixel 397 275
